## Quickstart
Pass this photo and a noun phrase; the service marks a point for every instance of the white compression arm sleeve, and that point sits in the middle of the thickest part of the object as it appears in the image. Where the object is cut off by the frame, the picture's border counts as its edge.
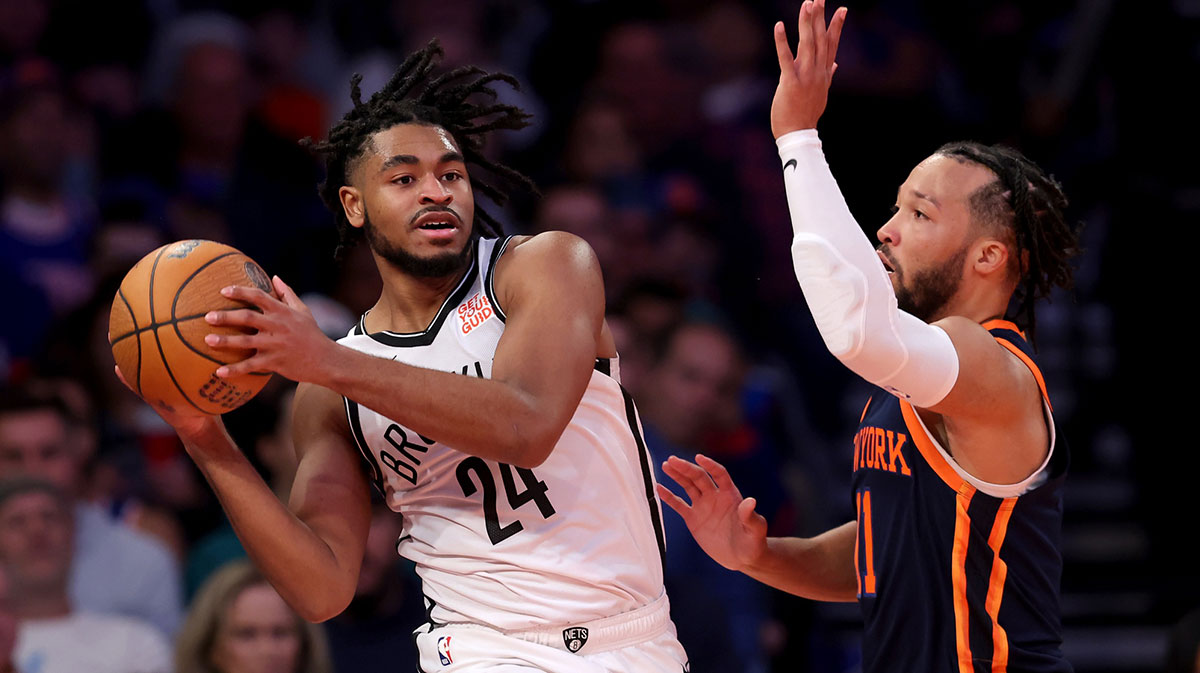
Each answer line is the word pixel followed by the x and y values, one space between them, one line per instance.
pixel 848 290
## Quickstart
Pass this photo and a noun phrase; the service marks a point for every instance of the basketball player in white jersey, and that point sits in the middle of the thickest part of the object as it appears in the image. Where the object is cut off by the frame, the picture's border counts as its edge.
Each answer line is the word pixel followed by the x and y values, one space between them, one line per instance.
pixel 481 395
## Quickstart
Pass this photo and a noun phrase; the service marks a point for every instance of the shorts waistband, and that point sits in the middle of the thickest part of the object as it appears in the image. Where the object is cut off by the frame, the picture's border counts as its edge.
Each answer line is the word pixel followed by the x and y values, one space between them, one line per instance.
pixel 608 633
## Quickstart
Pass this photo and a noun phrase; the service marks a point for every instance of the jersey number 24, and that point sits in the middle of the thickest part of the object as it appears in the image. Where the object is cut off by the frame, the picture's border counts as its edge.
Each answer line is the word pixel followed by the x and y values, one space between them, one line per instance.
pixel 532 490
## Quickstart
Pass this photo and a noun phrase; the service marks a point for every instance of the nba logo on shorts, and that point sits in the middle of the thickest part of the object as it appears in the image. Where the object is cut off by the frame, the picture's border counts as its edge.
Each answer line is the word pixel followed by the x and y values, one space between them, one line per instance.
pixel 443 649
pixel 575 638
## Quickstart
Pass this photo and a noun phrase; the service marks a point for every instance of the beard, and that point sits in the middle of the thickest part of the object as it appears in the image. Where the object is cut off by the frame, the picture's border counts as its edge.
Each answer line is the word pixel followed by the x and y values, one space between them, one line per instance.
pixel 437 266
pixel 930 289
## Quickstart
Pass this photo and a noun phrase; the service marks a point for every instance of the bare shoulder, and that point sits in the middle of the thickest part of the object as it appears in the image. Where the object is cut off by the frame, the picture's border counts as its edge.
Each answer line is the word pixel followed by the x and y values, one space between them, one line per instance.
pixel 317 412
pixel 549 248
pixel 990 380
pixel 531 262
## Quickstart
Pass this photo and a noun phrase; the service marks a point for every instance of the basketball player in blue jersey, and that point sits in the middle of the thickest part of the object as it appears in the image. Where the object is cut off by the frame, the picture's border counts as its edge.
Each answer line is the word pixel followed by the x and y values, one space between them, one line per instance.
pixel 481 396
pixel 958 468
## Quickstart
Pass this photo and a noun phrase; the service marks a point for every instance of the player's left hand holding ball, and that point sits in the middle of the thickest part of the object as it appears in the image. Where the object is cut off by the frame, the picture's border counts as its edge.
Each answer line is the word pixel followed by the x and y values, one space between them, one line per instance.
pixel 288 340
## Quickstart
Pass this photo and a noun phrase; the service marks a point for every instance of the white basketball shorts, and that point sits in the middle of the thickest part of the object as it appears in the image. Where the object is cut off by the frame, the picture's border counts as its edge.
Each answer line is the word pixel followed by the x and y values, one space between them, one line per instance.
pixel 641 641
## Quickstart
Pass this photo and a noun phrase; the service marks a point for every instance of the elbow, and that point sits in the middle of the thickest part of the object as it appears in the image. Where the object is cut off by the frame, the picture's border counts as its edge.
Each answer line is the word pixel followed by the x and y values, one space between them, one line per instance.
pixel 531 453
pixel 531 447
pixel 322 608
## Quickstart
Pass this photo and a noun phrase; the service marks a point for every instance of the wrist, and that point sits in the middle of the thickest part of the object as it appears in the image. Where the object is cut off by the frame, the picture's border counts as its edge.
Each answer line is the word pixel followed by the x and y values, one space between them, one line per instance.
pixel 330 367
pixel 792 141
pixel 208 441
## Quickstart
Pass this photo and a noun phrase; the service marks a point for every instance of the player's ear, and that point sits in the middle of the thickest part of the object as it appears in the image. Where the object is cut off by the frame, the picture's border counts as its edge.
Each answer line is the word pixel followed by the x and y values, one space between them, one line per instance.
pixel 991 255
pixel 352 204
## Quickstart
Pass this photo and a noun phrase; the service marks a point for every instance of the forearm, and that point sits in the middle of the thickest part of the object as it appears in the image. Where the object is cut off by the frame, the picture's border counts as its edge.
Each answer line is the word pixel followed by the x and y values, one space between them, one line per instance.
pixel 298 562
pixel 479 416
pixel 848 290
pixel 819 568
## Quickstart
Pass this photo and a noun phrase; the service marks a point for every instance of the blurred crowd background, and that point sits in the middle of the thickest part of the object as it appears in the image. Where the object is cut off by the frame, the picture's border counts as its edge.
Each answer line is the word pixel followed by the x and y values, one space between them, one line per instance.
pixel 128 124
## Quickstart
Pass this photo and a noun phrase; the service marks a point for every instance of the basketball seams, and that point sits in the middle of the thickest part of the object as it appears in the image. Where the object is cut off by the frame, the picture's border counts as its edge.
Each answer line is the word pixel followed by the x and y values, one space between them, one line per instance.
pixel 158 341
pixel 175 304
pixel 133 319
pixel 179 290
pixel 147 328
pixel 197 351
pixel 190 285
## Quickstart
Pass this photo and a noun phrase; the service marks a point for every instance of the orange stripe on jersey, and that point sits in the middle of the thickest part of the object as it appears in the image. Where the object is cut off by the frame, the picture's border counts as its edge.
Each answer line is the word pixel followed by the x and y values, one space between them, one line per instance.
pixel 958 576
pixel 857 518
pixel 1003 324
pixel 868 535
pixel 1037 373
pixel 996 586
pixel 928 451
pixel 865 407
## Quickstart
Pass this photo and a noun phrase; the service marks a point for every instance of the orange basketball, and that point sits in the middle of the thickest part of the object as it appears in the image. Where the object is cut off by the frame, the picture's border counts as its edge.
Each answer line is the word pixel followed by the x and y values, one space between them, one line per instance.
pixel 157 327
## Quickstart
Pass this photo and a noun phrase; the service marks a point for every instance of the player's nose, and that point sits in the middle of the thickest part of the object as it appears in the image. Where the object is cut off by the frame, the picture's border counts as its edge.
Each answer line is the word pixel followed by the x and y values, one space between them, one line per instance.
pixel 434 190
pixel 888 233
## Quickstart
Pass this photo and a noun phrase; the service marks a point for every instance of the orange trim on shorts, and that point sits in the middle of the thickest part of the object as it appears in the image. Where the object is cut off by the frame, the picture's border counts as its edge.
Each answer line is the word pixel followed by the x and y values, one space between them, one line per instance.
pixel 995 593
pixel 1037 373
pixel 958 575
pixel 928 451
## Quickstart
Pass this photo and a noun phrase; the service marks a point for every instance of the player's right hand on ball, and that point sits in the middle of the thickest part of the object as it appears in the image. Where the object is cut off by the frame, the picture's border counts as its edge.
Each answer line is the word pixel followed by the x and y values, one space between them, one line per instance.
pixel 284 335
pixel 724 523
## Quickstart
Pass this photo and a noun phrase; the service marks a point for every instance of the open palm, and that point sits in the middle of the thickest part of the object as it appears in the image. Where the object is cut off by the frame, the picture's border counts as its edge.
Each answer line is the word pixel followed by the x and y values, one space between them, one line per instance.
pixel 724 523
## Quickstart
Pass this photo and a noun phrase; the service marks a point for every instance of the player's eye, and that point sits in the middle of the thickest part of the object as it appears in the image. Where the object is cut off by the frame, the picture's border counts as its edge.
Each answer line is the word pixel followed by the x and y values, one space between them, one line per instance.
pixel 451 177
pixel 403 180
pixel 919 215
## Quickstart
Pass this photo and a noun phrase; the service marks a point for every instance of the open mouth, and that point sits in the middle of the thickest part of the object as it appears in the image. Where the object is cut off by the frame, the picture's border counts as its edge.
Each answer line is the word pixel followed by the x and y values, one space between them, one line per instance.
pixel 441 220
pixel 887 263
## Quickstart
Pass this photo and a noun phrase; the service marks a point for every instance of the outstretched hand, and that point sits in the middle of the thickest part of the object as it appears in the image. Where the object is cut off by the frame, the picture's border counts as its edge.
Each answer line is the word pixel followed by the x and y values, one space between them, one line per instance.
pixel 804 79
pixel 724 524
pixel 287 340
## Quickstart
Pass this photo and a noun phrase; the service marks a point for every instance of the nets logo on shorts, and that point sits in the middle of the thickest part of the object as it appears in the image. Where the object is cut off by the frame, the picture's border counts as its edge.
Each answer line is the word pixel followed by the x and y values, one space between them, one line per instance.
pixel 575 638
pixel 443 649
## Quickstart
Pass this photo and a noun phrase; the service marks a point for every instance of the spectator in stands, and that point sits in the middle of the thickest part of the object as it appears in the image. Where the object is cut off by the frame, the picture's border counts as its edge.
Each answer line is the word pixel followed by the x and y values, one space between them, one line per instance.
pixel 239 624
pixel 51 636
pixel 115 568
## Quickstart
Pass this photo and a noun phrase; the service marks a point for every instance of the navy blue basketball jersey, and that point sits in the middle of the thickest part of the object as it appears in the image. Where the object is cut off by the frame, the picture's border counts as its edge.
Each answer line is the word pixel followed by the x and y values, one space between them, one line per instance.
pixel 955 575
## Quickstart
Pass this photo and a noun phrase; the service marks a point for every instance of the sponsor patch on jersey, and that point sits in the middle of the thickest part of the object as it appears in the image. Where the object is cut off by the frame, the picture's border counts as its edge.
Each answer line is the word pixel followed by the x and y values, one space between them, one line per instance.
pixel 474 312
pixel 443 648
pixel 575 638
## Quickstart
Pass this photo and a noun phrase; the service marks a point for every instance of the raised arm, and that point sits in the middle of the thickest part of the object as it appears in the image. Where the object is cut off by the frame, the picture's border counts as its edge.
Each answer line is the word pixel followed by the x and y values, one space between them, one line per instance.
pixel 552 293
pixel 728 529
pixel 953 367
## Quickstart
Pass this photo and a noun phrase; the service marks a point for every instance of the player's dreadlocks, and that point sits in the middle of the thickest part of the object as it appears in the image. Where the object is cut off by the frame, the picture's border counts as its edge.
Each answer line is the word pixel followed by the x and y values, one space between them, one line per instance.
pixel 1031 204
pixel 413 96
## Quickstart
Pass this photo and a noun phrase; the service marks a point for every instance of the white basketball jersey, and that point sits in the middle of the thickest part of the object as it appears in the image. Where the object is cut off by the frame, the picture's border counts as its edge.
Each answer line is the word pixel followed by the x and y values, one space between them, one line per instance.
pixel 577 538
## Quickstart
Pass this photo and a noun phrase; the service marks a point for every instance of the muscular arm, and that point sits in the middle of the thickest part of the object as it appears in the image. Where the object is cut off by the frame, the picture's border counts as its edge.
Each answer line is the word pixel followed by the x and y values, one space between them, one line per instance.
pixel 552 292
pixel 988 400
pixel 310 549
pixel 728 529
pixel 820 568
